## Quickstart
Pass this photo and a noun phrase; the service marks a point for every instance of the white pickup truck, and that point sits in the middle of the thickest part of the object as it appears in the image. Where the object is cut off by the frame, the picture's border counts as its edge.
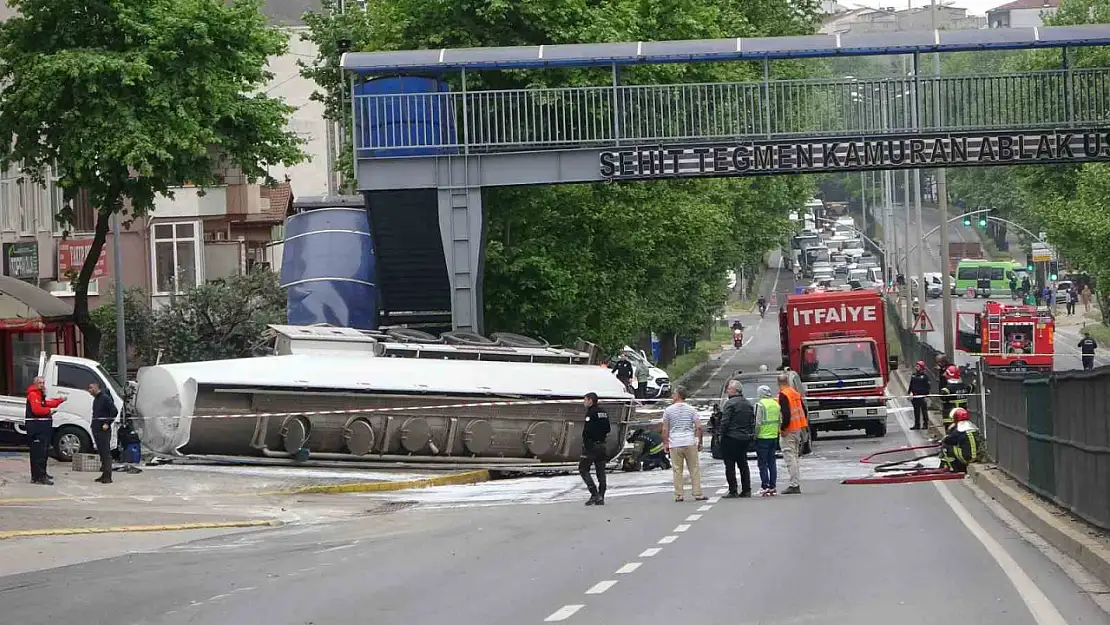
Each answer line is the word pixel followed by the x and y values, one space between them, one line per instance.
pixel 69 377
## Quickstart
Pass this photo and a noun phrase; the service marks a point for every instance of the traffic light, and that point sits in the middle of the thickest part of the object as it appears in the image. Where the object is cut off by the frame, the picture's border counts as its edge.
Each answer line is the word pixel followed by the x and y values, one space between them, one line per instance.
pixel 983 221
pixel 967 220
pixel 1029 263
pixel 1053 270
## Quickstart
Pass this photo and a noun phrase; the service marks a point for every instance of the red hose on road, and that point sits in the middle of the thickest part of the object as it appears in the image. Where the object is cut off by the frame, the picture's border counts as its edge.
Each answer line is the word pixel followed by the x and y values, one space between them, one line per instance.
pixel 906 479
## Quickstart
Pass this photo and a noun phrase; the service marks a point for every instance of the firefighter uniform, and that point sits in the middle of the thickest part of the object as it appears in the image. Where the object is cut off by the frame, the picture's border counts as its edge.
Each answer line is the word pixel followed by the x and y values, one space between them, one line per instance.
pixel 962 446
pixel 954 394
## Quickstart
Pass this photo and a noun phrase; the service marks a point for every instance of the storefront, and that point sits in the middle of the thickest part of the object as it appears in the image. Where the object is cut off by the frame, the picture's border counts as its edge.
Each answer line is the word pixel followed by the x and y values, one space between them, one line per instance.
pixel 32 321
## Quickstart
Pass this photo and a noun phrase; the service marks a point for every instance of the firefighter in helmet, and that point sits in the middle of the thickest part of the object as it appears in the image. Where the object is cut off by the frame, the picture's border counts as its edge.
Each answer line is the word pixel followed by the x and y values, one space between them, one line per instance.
pixel 963 442
pixel 954 393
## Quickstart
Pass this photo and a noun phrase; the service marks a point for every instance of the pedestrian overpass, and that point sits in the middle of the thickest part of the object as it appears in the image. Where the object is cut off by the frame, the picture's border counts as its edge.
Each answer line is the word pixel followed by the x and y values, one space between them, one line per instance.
pixel 423 156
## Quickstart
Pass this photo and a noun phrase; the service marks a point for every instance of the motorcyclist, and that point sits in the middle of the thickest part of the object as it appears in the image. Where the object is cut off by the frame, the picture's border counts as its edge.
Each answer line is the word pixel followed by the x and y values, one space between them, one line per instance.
pixel 647 452
pixel 955 393
pixel 762 306
pixel 963 443
pixel 737 334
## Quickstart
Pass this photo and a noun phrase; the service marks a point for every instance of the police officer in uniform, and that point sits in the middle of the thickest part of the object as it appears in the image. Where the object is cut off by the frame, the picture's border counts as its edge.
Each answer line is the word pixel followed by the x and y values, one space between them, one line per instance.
pixel 594 452
pixel 39 420
pixel 1088 346
pixel 624 371
pixel 920 387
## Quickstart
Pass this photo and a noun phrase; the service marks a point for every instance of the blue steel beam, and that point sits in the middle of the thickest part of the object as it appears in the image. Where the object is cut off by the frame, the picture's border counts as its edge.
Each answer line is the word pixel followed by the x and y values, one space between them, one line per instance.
pixel 718 50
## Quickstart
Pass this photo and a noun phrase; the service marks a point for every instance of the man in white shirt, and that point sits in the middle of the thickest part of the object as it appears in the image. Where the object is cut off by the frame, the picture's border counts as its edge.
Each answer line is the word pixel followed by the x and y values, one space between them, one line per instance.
pixel 682 439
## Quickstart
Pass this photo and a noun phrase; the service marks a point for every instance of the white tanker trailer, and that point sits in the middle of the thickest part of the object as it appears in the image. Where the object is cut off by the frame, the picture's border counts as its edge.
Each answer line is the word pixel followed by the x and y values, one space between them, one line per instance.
pixel 344 394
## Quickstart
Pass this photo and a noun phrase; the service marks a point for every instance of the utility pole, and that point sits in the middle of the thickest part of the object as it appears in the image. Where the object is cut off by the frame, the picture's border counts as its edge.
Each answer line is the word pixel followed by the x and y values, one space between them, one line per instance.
pixel 121 329
pixel 863 199
pixel 942 204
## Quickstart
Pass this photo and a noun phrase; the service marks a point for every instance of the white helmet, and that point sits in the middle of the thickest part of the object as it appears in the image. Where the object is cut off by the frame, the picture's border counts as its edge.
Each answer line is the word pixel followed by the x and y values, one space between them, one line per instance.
pixel 762 367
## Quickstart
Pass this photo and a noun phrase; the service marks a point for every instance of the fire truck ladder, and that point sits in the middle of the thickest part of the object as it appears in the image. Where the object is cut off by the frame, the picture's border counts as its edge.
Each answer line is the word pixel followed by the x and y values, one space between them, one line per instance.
pixel 994 334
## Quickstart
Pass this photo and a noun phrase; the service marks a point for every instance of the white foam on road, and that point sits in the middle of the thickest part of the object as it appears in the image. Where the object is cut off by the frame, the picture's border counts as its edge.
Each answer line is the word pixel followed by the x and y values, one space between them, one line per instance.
pixel 285 472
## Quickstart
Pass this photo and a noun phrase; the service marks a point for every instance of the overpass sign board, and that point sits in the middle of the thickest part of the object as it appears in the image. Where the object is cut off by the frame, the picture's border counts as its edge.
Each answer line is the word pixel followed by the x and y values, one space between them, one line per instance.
pixel 951 149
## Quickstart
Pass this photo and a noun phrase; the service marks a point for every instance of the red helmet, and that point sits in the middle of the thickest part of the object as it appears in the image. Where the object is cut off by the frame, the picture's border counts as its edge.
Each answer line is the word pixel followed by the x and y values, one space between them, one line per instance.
pixel 920 365
pixel 960 414
pixel 952 372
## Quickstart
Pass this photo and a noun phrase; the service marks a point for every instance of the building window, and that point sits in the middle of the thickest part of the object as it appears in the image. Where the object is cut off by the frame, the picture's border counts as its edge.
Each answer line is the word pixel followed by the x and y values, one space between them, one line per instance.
pixel 55 203
pixel 175 257
pixel 26 191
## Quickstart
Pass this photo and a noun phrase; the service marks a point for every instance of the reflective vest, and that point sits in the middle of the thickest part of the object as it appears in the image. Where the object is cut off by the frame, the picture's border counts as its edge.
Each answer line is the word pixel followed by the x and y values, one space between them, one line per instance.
pixel 772 417
pixel 798 419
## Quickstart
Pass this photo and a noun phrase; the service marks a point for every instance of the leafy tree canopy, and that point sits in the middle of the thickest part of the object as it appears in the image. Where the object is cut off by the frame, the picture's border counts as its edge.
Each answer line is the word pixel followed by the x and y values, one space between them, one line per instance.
pixel 602 262
pixel 131 99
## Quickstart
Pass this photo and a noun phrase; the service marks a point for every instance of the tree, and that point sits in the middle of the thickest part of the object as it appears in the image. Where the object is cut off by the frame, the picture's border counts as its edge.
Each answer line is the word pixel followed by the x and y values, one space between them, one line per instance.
pixel 128 100
pixel 139 322
pixel 604 262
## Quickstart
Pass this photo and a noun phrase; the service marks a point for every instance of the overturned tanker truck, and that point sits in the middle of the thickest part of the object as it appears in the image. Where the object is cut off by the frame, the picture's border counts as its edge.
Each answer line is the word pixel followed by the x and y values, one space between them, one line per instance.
pixel 405 396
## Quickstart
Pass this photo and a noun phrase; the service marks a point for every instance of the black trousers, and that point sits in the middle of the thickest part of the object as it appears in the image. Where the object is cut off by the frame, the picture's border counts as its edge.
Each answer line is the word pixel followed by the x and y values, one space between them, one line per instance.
pixel 103 440
pixel 1088 361
pixel 593 455
pixel 920 412
pixel 735 453
pixel 39 434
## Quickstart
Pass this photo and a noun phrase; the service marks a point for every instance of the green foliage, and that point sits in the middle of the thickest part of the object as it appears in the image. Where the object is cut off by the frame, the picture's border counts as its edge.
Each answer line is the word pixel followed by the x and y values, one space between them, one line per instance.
pixel 130 99
pixel 603 262
pixel 220 319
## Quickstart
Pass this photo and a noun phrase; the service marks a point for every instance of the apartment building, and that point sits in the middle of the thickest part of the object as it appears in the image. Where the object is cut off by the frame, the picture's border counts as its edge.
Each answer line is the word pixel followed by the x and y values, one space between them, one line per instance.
pixel 1021 13
pixel 893 19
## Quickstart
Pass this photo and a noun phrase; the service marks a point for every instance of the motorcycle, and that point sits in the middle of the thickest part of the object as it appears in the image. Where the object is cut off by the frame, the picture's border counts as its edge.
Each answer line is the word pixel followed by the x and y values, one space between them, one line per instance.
pixel 762 310
pixel 737 338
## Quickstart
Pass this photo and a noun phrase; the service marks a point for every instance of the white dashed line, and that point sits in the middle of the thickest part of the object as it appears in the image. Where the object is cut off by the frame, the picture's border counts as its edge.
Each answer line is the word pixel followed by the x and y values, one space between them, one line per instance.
pixel 650 552
pixel 682 528
pixel 714 499
pixel 563 613
pixel 628 568
pixel 666 540
pixel 705 508
pixel 601 587
pixel 218 597
pixel 721 491
pixel 693 517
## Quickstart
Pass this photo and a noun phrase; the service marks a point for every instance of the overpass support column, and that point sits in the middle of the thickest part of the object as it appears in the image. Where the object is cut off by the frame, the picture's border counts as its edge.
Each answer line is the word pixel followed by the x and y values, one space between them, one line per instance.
pixel 462 227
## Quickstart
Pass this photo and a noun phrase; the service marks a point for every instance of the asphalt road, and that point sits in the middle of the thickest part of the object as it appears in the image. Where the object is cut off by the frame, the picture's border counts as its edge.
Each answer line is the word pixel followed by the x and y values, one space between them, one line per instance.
pixel 528 551
pixel 1067 352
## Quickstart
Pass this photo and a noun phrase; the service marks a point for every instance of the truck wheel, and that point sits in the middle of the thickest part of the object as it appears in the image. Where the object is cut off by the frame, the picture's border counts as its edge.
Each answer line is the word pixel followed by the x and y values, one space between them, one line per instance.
pixel 70 440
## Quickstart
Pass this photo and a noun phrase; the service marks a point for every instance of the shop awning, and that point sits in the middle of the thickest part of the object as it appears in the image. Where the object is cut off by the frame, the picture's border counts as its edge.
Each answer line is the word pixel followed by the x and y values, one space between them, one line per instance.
pixel 38 300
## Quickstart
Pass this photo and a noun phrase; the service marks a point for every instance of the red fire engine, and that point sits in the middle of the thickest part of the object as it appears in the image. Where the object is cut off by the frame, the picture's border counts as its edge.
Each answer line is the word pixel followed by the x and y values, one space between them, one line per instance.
pixel 1008 336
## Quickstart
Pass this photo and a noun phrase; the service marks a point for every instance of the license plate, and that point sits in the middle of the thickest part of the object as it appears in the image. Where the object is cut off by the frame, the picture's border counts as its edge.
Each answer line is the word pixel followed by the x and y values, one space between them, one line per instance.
pixel 840 413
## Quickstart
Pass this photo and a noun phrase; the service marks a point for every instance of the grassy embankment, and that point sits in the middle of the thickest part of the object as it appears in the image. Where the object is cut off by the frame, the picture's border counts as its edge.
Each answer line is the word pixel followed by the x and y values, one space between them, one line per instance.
pixel 684 363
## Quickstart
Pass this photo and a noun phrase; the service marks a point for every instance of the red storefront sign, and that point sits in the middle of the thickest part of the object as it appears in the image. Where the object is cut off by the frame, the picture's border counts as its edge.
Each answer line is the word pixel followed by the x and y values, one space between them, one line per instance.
pixel 72 254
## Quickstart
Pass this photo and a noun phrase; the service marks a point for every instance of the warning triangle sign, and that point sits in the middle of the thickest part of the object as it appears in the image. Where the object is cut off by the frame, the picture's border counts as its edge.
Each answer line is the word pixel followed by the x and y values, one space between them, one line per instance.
pixel 923 323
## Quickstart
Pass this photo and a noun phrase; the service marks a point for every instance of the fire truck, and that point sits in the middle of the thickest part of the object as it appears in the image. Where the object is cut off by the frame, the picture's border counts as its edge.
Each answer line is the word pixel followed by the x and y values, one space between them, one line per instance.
pixel 836 341
pixel 1009 336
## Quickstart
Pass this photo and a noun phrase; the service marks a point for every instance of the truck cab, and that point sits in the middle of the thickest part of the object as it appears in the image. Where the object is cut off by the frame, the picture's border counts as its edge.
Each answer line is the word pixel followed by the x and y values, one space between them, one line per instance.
pixel 1012 337
pixel 68 377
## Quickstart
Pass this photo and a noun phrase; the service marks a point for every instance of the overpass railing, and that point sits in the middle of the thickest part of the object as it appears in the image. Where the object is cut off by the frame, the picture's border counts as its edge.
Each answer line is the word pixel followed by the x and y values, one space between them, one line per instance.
pixel 517 120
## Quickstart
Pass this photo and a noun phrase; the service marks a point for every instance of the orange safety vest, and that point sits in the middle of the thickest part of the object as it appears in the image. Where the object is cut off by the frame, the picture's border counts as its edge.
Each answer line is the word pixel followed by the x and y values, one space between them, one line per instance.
pixel 798 419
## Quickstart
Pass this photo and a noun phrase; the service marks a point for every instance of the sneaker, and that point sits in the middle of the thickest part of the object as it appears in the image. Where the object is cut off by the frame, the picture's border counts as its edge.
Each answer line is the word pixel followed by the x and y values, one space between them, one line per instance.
pixel 793 490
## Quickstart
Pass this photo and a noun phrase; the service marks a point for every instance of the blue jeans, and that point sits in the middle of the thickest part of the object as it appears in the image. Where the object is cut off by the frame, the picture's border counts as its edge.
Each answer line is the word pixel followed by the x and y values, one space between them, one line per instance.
pixel 765 454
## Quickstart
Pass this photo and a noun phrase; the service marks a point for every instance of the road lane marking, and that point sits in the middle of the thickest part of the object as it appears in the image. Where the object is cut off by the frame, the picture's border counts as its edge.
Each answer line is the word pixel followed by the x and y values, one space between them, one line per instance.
pixel 218 597
pixel 705 508
pixel 628 568
pixel 682 528
pixel 601 587
pixel 650 552
pixel 666 540
pixel 563 613
pixel 693 517
pixel 1040 606
pixel 721 491
pixel 713 499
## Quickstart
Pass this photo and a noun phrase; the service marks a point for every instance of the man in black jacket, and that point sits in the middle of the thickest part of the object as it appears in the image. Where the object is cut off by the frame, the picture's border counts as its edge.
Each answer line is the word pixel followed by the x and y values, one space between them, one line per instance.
pixel 920 388
pixel 1088 346
pixel 594 452
pixel 624 371
pixel 737 431
pixel 103 414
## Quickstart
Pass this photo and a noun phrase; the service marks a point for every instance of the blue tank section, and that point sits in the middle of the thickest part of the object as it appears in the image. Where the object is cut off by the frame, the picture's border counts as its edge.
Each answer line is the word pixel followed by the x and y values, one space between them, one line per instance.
pixel 328 269
pixel 419 117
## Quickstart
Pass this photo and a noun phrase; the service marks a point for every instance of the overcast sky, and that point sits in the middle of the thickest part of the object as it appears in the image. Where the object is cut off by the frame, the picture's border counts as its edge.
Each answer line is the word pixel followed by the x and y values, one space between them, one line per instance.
pixel 974 7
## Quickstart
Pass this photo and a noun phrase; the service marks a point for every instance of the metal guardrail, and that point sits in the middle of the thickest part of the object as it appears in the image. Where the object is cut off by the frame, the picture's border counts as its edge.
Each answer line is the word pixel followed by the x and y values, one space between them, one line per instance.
pixel 536 119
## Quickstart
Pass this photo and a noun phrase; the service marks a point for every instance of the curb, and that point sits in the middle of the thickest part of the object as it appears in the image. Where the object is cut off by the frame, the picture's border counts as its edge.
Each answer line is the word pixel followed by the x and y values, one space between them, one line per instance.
pixel 1049 522
pixel 72 531
pixel 465 477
